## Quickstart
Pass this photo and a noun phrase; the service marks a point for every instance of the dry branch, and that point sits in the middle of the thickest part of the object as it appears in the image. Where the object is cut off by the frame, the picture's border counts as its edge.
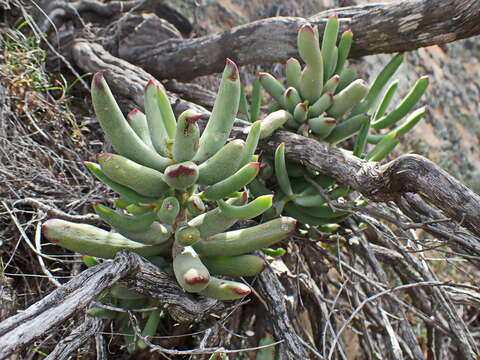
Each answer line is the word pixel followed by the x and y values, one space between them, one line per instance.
pixel 47 314
pixel 385 182
pixel 379 28
pixel 360 287
pixel 82 334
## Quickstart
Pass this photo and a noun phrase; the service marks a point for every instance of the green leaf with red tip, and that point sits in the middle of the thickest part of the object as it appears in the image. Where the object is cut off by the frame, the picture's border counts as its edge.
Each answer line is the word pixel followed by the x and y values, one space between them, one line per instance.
pixel 187 136
pixel 332 83
pixel 237 242
pixel 189 271
pixel 225 290
pixel 293 71
pixel 124 140
pixel 90 240
pixel 223 114
pixel 181 176
pixel 343 50
pixel 308 46
pixel 292 98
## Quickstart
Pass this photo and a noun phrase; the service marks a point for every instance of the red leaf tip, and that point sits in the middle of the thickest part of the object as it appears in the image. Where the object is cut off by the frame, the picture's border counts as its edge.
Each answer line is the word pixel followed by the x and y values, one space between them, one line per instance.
pixel 233 76
pixel 292 59
pixel 244 197
pixel 197 280
pixel 180 170
pixel 194 118
pixel 45 232
pixel 99 80
pixel 151 82
pixel 240 290
pixel 307 27
pixel 132 113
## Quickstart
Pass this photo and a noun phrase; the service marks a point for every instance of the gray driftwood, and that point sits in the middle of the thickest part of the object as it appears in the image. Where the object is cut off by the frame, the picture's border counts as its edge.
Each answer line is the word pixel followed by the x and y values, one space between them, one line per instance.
pixel 22 329
pixel 378 28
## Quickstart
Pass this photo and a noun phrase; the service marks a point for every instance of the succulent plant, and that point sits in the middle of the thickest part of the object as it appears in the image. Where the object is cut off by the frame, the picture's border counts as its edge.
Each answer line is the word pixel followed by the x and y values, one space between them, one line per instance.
pixel 325 101
pixel 179 191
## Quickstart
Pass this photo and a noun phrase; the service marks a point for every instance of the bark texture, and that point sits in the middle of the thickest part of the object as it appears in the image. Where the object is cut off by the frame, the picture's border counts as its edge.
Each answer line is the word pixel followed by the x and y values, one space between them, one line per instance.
pixel 379 28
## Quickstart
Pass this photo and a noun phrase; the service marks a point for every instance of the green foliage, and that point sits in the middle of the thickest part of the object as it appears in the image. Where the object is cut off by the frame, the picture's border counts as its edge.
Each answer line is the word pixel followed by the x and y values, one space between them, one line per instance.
pixel 162 208
pixel 179 194
pixel 324 100
pixel 180 191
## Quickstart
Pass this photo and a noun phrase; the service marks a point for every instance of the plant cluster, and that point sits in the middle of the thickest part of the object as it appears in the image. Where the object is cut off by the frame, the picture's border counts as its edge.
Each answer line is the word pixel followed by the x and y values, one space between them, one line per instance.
pixel 181 191
pixel 326 101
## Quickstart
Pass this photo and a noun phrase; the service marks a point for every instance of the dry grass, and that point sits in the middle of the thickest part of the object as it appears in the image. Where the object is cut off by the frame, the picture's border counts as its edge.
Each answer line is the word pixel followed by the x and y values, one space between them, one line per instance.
pixel 42 147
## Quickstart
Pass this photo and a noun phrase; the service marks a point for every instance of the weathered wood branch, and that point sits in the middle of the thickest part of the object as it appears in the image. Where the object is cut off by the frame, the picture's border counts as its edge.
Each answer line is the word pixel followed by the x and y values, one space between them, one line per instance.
pixel 385 182
pixel 79 336
pixel 275 295
pixel 23 328
pixel 40 318
pixel 379 28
